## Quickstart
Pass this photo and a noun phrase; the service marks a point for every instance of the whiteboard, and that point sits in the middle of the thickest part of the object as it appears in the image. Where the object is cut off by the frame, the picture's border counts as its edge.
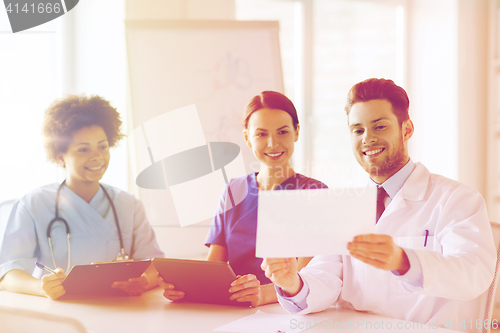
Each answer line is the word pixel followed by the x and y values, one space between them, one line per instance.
pixel 216 65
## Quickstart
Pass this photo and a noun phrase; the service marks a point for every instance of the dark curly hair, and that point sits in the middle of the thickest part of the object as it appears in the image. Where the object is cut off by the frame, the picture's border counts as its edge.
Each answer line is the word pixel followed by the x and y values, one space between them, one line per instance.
pixel 74 112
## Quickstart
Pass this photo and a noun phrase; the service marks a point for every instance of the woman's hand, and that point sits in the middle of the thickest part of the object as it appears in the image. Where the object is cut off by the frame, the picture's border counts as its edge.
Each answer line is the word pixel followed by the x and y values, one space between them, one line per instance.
pixel 246 288
pixel 170 293
pixel 52 284
pixel 134 286
pixel 283 273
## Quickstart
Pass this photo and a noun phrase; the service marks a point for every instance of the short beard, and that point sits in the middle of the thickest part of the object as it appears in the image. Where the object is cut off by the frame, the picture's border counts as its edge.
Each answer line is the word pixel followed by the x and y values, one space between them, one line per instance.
pixel 390 166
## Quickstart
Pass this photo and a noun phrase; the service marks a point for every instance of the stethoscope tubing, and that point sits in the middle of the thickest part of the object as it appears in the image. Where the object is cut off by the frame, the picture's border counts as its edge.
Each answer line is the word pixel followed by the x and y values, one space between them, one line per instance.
pixel 121 255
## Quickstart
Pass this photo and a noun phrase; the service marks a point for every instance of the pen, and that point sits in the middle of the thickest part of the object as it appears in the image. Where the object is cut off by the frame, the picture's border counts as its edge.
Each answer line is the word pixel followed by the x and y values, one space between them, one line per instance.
pixel 42 266
pixel 426 235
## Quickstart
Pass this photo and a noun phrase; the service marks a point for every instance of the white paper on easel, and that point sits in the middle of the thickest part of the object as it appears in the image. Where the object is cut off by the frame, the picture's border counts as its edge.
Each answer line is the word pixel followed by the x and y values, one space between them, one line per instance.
pixel 305 223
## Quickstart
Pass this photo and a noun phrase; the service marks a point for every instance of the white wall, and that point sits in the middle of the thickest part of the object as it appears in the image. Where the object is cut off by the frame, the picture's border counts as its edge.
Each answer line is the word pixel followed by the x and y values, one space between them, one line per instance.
pixel 448 86
pixel 472 92
pixel 175 241
pixel 432 84
pixel 180 9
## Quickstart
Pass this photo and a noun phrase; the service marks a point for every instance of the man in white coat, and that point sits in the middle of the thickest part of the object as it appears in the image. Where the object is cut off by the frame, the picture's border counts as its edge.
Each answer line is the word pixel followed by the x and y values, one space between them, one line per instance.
pixel 432 258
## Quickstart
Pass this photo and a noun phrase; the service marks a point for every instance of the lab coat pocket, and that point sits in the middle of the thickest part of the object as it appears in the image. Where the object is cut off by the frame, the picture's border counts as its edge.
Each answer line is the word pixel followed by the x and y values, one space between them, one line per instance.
pixel 428 243
pixel 417 242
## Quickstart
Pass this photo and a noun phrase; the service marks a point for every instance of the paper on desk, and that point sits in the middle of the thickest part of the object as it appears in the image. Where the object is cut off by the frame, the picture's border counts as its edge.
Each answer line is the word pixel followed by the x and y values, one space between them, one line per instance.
pixel 261 322
pixel 305 223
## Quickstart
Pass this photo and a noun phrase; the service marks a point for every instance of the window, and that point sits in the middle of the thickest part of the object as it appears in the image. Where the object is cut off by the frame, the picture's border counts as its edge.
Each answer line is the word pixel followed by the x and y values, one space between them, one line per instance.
pixel 353 41
pixel 327 46
pixel 30 63
pixel 80 52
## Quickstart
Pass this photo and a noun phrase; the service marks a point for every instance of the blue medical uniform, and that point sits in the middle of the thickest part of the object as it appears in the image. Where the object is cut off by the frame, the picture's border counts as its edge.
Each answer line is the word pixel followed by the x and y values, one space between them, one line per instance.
pixel 235 223
pixel 94 236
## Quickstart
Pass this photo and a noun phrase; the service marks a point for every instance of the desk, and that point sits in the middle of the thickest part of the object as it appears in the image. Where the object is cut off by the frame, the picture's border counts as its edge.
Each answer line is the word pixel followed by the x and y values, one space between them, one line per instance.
pixel 152 313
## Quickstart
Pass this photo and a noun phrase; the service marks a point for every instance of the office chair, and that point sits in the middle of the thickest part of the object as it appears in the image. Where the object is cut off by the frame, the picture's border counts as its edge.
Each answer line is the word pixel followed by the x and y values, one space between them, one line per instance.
pixel 492 303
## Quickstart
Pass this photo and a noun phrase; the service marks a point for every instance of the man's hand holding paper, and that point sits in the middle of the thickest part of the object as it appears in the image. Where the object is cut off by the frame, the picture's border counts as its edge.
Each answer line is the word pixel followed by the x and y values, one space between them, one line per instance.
pixel 379 251
pixel 283 273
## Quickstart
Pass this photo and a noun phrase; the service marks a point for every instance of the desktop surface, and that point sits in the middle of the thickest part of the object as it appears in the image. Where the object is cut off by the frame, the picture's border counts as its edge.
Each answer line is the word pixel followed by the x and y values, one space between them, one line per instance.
pixel 152 313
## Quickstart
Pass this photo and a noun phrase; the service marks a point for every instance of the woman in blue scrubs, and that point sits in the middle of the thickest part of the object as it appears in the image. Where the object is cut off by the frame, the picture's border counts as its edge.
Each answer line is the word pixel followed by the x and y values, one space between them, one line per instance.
pixel 78 133
pixel 271 128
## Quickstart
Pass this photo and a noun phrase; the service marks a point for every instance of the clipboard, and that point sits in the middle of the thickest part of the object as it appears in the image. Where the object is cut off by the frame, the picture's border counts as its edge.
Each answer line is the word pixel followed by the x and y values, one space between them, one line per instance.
pixel 201 281
pixel 96 279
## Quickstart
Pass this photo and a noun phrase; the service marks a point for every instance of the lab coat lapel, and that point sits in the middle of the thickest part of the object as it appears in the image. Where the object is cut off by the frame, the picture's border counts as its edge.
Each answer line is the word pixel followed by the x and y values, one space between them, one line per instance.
pixel 396 204
pixel 413 189
pixel 417 183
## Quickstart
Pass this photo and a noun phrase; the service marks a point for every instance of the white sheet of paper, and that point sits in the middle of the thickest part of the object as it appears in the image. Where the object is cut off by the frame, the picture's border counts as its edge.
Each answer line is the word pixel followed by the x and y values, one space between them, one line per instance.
pixel 305 223
pixel 261 322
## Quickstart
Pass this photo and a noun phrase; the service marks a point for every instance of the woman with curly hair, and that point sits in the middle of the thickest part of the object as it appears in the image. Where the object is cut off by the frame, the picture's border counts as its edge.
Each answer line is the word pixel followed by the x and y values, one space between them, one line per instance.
pixel 104 222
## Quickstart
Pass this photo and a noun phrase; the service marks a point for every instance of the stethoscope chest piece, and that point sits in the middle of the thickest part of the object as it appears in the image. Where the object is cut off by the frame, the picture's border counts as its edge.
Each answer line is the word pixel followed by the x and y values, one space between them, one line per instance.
pixel 122 256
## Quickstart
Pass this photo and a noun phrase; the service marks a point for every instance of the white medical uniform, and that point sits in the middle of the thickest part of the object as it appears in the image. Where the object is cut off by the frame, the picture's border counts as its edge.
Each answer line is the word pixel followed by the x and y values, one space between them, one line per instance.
pixel 457 263
pixel 94 236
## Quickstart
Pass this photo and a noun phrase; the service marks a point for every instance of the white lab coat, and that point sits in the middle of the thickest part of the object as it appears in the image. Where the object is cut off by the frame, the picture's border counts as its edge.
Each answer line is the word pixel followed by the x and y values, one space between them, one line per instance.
pixel 94 236
pixel 457 264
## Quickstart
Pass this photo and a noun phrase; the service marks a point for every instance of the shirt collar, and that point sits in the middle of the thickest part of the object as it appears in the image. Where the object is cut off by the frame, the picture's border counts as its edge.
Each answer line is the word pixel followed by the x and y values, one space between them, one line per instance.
pixel 396 181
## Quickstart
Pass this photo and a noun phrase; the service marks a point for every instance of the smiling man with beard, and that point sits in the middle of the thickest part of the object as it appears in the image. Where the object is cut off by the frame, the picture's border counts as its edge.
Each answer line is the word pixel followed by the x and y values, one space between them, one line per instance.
pixel 432 257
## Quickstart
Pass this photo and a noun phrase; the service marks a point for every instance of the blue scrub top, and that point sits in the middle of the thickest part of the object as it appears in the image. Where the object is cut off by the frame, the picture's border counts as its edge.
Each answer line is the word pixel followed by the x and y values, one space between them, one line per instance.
pixel 235 228
pixel 94 236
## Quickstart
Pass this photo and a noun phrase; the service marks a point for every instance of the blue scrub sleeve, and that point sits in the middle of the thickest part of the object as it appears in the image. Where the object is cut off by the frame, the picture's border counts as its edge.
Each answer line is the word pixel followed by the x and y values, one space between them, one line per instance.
pixel 20 243
pixel 216 234
pixel 144 245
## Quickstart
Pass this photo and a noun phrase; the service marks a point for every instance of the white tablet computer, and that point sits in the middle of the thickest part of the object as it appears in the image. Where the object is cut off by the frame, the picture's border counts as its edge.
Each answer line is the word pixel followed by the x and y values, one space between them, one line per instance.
pixel 96 279
pixel 201 281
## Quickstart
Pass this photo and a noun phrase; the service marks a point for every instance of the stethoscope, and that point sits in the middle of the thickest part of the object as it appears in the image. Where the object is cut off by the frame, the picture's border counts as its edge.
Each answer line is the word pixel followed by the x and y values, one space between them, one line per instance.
pixel 120 256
